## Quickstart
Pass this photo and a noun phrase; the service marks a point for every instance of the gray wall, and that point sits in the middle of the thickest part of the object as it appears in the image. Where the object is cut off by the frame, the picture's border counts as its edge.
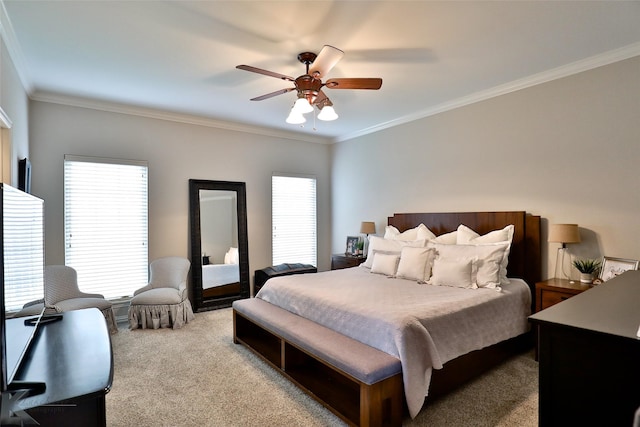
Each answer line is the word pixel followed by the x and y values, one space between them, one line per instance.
pixel 15 104
pixel 176 152
pixel 567 150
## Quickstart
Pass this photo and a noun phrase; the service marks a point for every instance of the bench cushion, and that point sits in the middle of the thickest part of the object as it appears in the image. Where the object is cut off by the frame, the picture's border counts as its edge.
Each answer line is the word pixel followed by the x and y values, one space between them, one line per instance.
pixel 363 362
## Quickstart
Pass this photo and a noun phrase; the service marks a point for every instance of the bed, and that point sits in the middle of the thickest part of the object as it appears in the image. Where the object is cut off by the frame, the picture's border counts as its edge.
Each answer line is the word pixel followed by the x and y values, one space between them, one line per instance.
pixel 222 279
pixel 414 321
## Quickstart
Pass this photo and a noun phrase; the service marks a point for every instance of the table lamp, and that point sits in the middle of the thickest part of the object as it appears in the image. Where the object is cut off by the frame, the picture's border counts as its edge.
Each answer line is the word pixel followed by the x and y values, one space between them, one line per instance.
pixel 563 233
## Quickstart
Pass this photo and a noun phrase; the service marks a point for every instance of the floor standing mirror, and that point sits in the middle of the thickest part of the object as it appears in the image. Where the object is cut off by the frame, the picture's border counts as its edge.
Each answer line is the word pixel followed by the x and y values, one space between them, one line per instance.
pixel 219 248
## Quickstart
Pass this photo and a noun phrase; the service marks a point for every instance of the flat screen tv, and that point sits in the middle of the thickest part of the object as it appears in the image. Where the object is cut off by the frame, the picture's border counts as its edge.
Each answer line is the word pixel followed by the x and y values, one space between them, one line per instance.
pixel 21 275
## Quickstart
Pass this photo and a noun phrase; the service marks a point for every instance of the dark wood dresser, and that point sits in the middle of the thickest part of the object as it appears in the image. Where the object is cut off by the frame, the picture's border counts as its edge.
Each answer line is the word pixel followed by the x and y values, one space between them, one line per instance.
pixel 589 355
pixel 73 358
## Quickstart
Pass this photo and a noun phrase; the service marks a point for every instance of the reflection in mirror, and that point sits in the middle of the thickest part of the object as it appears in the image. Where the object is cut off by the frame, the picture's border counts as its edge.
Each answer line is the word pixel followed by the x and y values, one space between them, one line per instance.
pixel 219 255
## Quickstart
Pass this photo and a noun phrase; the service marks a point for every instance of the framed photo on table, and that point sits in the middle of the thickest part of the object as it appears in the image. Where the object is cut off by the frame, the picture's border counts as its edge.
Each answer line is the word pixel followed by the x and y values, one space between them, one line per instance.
pixel 352 245
pixel 612 267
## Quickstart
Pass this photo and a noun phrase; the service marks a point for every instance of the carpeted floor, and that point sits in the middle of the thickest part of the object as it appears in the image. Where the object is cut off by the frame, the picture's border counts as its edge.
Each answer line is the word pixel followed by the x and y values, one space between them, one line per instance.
pixel 196 376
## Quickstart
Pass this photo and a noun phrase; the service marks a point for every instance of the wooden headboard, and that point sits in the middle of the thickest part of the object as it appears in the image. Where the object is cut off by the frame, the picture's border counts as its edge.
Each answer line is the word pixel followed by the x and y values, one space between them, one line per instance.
pixel 524 257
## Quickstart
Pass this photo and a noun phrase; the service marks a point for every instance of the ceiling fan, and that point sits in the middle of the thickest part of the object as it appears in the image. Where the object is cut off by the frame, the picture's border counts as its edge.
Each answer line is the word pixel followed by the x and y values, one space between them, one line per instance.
pixel 309 85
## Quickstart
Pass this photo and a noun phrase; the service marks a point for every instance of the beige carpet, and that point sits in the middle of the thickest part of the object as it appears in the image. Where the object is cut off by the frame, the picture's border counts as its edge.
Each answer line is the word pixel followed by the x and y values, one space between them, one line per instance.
pixel 196 376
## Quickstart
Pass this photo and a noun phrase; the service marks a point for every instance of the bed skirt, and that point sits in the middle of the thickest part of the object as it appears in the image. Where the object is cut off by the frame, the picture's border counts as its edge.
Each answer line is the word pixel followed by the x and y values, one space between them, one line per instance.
pixel 160 316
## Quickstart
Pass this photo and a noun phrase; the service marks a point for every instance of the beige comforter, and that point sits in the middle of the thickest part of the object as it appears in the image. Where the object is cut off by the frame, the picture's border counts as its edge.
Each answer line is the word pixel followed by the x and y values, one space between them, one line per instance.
pixel 424 326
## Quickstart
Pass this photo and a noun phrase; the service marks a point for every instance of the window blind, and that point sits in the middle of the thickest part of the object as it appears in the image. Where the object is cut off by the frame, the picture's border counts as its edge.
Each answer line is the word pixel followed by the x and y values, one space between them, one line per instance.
pixel 294 229
pixel 22 248
pixel 106 224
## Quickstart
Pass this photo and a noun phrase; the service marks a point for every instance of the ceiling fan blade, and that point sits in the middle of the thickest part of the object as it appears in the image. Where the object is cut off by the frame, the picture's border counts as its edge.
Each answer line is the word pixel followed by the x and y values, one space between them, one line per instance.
pixel 318 102
pixel 265 72
pixel 325 61
pixel 357 83
pixel 272 94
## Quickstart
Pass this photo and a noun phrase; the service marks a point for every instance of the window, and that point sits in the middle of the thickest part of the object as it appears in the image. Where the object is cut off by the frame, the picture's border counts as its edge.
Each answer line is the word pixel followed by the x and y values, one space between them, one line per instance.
pixel 22 251
pixel 293 204
pixel 106 224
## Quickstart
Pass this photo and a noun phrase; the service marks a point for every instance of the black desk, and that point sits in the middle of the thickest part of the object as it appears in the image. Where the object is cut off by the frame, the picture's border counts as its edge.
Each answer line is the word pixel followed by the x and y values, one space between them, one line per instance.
pixel 589 356
pixel 73 358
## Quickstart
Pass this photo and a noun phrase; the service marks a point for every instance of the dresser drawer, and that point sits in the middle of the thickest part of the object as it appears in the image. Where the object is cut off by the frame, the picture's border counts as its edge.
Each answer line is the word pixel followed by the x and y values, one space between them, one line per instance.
pixel 550 298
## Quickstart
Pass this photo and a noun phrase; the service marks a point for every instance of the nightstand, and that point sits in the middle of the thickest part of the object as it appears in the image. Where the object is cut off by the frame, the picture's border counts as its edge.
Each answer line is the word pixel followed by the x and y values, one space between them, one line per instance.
pixel 553 291
pixel 339 261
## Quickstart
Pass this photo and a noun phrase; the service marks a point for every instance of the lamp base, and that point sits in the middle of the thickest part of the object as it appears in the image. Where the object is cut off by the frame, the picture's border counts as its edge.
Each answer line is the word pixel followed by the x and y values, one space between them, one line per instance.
pixel 560 271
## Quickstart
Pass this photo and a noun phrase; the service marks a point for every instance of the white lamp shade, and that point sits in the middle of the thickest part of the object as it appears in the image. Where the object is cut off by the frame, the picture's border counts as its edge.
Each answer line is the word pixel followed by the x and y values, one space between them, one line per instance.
pixel 327 114
pixel 302 106
pixel 295 118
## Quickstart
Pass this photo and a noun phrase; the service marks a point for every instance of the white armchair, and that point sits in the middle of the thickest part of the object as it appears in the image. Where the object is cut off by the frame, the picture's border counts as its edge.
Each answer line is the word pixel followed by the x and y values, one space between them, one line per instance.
pixel 61 293
pixel 164 302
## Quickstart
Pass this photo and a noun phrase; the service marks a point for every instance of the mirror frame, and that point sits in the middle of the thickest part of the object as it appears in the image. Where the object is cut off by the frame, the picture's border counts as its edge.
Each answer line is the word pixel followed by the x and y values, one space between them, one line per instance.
pixel 195 185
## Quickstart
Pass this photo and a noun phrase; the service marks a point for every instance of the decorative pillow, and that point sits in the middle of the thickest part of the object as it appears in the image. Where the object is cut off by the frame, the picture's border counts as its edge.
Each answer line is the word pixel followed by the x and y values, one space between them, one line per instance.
pixel 231 257
pixel 488 275
pixel 489 258
pixel 454 272
pixel 415 263
pixel 466 235
pixel 420 232
pixel 388 245
pixel 447 238
pixel 384 264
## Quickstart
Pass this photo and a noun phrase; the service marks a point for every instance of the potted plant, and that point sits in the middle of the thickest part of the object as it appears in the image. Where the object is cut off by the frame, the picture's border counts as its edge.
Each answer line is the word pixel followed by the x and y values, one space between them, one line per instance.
pixel 587 268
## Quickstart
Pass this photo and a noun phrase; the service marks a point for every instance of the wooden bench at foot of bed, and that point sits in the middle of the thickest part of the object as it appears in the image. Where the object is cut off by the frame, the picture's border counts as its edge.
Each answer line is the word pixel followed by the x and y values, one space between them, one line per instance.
pixel 358 383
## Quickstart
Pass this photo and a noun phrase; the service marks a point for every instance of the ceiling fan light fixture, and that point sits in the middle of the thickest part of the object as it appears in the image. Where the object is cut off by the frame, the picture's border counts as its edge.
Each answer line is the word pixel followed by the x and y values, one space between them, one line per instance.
pixel 309 85
pixel 295 118
pixel 327 114
pixel 302 106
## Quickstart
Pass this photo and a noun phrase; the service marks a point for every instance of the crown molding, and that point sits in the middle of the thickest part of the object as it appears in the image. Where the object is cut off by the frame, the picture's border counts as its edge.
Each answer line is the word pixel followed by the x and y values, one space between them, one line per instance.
pixel 13 47
pixel 173 117
pixel 576 67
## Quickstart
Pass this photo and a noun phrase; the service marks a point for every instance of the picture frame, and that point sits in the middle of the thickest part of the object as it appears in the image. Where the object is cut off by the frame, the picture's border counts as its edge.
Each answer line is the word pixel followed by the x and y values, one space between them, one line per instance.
pixel 352 245
pixel 612 267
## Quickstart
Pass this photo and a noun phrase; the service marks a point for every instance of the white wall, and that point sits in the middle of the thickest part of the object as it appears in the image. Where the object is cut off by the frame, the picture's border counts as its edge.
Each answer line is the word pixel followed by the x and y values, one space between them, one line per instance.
pixel 176 152
pixel 568 150
pixel 15 104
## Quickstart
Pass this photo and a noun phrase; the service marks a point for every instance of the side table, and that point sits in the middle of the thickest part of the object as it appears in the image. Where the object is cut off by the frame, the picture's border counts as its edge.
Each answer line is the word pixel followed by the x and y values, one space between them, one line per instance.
pixel 553 291
pixel 339 261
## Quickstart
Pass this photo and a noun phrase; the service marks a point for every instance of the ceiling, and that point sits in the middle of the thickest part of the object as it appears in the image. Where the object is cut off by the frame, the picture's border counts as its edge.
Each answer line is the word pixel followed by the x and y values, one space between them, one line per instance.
pixel 177 59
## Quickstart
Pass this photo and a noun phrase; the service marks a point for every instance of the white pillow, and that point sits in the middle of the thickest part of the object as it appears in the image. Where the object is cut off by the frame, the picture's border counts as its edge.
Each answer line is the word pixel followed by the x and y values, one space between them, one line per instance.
pixel 415 263
pixel 489 256
pixel 447 238
pixel 421 232
pixel 488 275
pixel 388 245
pixel 454 272
pixel 231 257
pixel 466 235
pixel 384 264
